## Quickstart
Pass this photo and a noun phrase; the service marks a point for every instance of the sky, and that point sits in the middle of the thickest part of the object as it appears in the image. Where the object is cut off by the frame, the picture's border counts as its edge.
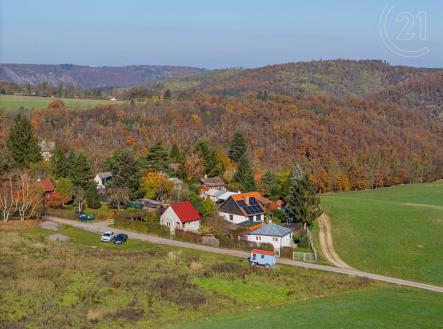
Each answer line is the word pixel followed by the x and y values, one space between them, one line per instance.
pixel 219 34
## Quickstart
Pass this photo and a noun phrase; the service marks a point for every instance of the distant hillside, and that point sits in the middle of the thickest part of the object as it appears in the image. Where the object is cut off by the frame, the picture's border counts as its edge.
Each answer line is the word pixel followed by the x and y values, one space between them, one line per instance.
pixel 91 77
pixel 337 78
pixel 425 94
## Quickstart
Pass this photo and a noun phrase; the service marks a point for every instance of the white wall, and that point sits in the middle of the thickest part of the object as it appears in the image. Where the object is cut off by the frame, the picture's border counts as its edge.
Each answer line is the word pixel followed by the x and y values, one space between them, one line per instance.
pixel 237 218
pixel 276 241
pixel 170 219
pixel 98 180
pixel 193 226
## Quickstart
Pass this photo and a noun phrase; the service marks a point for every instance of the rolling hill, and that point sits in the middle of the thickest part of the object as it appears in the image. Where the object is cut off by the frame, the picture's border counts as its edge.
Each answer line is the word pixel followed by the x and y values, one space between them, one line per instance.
pixel 336 78
pixel 91 77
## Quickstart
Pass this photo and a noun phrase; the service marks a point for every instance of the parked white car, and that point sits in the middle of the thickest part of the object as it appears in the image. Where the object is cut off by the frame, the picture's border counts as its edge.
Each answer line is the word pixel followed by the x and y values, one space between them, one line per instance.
pixel 107 236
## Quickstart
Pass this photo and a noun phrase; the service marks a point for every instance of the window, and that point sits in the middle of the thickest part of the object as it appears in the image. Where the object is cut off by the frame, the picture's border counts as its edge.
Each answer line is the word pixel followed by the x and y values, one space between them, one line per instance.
pixel 258 218
pixel 275 239
pixel 262 256
pixel 251 218
pixel 258 238
pixel 254 256
pixel 231 217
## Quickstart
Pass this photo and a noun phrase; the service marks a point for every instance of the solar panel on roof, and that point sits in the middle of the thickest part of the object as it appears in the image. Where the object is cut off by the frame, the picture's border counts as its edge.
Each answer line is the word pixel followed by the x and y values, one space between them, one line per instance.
pixel 241 203
pixel 253 200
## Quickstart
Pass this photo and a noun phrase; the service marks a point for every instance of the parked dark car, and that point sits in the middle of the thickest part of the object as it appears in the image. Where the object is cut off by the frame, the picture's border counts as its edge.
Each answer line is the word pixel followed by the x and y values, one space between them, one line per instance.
pixel 120 238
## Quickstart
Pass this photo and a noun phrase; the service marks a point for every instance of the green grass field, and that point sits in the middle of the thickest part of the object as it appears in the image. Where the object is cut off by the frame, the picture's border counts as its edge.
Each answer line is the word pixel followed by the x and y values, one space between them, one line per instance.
pixel 13 102
pixel 383 308
pixel 393 231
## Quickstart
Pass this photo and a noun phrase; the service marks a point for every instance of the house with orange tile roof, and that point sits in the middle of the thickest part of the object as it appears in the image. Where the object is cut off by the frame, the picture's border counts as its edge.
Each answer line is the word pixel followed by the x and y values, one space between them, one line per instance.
pixel 243 207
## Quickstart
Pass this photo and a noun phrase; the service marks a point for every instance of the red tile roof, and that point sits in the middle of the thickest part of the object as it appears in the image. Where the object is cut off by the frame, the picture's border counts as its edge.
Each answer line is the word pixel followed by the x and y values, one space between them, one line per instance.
pixel 185 211
pixel 263 252
pixel 47 186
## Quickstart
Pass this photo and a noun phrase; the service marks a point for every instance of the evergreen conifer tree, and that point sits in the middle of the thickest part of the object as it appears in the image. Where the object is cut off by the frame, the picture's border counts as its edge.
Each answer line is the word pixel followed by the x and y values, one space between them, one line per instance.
pixel 157 158
pixel 303 203
pixel 22 143
pixel 244 175
pixel 92 197
pixel 59 163
pixel 238 147
pixel 79 171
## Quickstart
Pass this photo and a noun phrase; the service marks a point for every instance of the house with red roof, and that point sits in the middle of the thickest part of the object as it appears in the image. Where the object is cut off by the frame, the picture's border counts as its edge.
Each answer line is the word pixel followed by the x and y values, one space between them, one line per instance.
pixel 47 187
pixel 182 216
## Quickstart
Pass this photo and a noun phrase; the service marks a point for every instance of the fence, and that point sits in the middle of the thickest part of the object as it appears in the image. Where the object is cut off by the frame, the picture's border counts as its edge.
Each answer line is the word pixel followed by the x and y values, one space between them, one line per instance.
pixel 307 256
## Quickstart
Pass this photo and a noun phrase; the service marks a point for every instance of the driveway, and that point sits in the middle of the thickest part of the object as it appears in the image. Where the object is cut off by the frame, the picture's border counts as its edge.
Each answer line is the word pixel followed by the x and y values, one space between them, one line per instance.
pixel 101 227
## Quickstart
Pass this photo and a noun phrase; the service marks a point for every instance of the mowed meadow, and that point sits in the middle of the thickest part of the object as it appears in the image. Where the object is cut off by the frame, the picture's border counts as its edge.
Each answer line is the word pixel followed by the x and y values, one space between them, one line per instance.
pixel 394 231
pixel 14 102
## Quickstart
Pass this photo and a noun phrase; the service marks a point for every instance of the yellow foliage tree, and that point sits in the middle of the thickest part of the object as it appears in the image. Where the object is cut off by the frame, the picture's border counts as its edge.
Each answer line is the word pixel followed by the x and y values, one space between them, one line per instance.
pixel 156 185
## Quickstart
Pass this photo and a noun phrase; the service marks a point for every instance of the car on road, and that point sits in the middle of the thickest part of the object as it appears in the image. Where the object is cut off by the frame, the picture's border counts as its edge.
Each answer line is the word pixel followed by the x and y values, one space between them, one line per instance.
pixel 120 238
pixel 108 236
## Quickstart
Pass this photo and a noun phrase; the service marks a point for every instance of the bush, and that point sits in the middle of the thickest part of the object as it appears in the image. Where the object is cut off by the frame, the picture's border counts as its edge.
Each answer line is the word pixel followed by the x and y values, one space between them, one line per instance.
pixel 188 236
pixel 302 240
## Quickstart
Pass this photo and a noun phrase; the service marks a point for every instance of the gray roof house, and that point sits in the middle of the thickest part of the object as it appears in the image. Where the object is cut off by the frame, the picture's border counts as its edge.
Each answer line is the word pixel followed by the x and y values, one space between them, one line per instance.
pixel 274 234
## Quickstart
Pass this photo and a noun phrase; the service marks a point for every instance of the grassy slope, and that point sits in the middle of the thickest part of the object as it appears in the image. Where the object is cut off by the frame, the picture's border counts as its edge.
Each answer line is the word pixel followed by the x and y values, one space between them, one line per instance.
pixel 384 308
pixel 380 231
pixel 87 284
pixel 13 102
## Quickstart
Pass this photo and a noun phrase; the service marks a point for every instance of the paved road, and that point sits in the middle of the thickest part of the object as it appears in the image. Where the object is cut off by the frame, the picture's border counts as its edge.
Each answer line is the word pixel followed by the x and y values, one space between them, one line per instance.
pixel 100 227
pixel 326 243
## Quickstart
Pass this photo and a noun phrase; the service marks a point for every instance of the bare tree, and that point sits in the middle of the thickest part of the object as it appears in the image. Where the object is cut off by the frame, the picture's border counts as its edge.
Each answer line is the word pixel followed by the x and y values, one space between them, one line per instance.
pixel 30 196
pixel 8 201
pixel 118 196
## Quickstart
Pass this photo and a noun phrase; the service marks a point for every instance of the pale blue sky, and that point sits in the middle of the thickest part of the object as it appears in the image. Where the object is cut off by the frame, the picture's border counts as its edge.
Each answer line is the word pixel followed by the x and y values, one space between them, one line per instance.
pixel 211 34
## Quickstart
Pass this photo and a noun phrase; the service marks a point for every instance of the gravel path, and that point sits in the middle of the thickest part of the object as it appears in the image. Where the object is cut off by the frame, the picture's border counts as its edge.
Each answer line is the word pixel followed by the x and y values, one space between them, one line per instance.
pixel 101 227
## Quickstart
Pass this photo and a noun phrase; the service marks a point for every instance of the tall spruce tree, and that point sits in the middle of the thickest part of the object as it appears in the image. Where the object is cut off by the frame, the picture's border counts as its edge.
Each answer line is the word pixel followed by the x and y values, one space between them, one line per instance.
pixel 303 203
pixel 157 158
pixel 175 155
pixel 92 197
pixel 22 143
pixel 125 173
pixel 238 147
pixel 59 163
pixel 80 172
pixel 244 175
pixel 268 183
pixel 213 165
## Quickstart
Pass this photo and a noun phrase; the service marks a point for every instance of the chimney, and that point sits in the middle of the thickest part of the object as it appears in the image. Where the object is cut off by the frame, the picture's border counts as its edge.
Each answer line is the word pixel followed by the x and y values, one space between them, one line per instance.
pixel 247 200
pixel 206 176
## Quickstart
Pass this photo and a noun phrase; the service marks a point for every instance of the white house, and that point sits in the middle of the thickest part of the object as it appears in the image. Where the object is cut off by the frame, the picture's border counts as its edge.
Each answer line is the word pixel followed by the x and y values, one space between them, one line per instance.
pixel 239 208
pixel 182 216
pixel 274 234
pixel 216 195
pixel 102 178
pixel 46 149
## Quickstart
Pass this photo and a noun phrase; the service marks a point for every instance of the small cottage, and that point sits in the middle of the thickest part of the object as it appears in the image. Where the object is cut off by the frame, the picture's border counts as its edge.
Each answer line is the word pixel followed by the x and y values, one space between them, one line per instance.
pixel 46 149
pixel 182 216
pixel 274 234
pixel 47 187
pixel 213 183
pixel 102 178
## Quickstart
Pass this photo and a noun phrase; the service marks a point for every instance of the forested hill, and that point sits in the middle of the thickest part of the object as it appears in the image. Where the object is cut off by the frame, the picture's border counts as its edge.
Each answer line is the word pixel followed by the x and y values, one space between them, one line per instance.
pixel 424 94
pixel 336 78
pixel 91 77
